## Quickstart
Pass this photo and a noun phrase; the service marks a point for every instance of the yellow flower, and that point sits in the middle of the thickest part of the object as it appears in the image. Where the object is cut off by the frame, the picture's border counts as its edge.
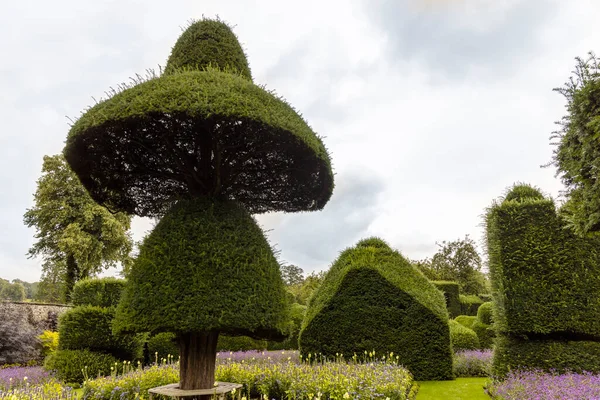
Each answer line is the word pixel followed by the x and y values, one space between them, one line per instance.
pixel 346 395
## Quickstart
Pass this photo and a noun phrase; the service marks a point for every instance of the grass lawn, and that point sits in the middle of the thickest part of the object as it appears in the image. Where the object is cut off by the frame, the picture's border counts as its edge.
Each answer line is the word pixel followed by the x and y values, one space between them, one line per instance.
pixel 458 389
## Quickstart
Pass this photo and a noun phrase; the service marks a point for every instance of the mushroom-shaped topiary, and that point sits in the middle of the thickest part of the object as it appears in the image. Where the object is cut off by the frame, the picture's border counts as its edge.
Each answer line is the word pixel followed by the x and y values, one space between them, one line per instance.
pixel 202 147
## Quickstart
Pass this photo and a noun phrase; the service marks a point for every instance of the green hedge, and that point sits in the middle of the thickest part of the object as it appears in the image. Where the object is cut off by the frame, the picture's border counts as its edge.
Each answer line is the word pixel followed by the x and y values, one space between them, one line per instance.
pixel 560 355
pixel 240 343
pixel 71 366
pixel 484 313
pixel 297 312
pixel 485 334
pixel 466 320
pixel 546 284
pixel 451 292
pixel 469 304
pixel 462 338
pixel 161 345
pixel 372 298
pixel 101 292
pixel 90 327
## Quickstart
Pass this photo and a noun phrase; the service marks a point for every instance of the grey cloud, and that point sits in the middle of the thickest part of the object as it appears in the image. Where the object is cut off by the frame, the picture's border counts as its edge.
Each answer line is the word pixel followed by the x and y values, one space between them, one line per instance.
pixel 441 40
pixel 313 240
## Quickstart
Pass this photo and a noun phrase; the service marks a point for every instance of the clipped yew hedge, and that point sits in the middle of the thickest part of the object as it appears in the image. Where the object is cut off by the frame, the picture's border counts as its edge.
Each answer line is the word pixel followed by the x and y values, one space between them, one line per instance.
pixel 546 285
pixel 469 304
pixel 462 338
pixel 373 299
pixel 101 292
pixel 451 292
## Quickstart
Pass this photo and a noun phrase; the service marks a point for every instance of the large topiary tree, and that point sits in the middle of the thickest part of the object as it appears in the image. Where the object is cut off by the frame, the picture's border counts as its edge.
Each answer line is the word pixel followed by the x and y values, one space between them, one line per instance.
pixel 203 147
pixel 546 287
pixel 372 298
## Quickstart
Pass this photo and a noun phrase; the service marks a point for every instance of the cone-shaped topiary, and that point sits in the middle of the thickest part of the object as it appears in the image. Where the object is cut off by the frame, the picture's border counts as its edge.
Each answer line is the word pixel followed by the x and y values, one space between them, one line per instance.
pixel 203 146
pixel 372 298
pixel 522 191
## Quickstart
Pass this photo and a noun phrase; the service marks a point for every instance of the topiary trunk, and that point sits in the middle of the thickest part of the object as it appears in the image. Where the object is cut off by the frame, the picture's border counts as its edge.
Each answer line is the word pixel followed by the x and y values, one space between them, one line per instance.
pixel 197 359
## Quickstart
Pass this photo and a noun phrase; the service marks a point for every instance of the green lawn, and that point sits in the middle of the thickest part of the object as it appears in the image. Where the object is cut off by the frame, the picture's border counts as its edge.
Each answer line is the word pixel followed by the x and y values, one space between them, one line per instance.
pixel 459 389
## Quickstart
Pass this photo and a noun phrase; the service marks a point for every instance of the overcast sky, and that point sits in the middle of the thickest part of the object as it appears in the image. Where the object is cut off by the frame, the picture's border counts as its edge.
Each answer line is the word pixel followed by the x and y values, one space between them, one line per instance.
pixel 430 108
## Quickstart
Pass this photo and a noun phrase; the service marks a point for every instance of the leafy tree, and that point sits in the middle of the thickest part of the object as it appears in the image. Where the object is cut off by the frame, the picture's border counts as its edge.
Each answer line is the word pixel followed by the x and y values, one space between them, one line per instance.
pixel 202 147
pixel 577 155
pixel 14 292
pixel 304 290
pixel 292 274
pixel 456 261
pixel 30 288
pixel 72 230
pixel 51 285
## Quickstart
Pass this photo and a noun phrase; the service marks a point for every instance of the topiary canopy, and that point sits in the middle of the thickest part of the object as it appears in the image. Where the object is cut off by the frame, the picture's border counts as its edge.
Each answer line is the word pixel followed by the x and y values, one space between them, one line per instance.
pixel 372 298
pixel 203 128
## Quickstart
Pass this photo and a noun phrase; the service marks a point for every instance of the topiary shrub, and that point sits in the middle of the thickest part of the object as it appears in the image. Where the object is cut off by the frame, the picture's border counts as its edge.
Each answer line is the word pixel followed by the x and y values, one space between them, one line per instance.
pixel 161 345
pixel 372 298
pixel 451 293
pixel 73 366
pixel 101 292
pixel 466 320
pixel 484 313
pixel 546 285
pixel 485 334
pixel 462 338
pixel 90 327
pixel 469 304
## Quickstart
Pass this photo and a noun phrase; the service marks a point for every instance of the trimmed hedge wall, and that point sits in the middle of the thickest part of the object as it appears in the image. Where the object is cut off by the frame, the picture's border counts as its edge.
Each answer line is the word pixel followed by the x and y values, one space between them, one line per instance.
pixel 462 338
pixel 70 365
pixel 469 304
pixel 372 298
pixel 485 333
pixel 90 327
pixel 451 292
pixel 466 320
pixel 101 292
pixel 484 313
pixel 240 343
pixel 161 346
pixel 546 285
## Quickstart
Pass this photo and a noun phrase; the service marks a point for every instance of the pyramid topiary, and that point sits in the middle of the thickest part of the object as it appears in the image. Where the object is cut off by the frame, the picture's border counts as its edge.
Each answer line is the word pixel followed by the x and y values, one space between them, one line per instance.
pixel 372 298
pixel 202 147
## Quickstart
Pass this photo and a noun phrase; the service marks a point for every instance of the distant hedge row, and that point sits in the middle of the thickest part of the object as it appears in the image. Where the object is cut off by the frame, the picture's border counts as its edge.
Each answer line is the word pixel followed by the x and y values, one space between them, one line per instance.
pixel 546 284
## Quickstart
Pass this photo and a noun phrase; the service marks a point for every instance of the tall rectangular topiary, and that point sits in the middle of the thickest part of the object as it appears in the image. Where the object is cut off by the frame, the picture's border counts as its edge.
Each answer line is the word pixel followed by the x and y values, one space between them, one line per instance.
pixel 546 287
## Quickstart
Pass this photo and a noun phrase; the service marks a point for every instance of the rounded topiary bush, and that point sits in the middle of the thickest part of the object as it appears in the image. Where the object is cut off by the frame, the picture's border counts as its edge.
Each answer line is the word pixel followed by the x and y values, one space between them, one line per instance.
pixel 74 366
pixel 485 333
pixel 522 192
pixel 372 298
pixel 484 313
pixel 469 304
pixel 466 320
pixel 90 327
pixel 462 337
pixel 103 292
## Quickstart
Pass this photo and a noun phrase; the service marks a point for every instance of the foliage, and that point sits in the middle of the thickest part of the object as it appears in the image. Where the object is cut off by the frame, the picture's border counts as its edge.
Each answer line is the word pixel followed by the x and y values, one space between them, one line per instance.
pixel 18 338
pixel 373 299
pixel 297 312
pixel 49 342
pixel 577 156
pixel 546 288
pixel 462 338
pixel 101 292
pixel 13 291
pixel 18 377
pixel 541 385
pixel 222 51
pixel 466 320
pixel 72 231
pixel 292 275
pixel 484 313
pixel 240 343
pixel 73 366
pixel 30 288
pixel 162 345
pixel 456 261
pixel 51 288
pixel 90 327
pixel 485 334
pixel 186 254
pixel 451 294
pixel 469 304
pixel 275 379
pixel 303 291
pixel 472 363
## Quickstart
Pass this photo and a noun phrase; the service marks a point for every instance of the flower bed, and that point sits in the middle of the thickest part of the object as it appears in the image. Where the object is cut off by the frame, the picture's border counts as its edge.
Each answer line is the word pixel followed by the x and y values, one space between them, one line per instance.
pixel 16 377
pixel 545 386
pixel 473 363
pixel 278 375
pixel 50 390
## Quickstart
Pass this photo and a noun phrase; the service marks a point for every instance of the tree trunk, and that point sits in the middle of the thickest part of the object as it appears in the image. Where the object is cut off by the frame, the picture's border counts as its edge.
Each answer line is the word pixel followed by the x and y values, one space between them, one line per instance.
pixel 72 275
pixel 197 358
